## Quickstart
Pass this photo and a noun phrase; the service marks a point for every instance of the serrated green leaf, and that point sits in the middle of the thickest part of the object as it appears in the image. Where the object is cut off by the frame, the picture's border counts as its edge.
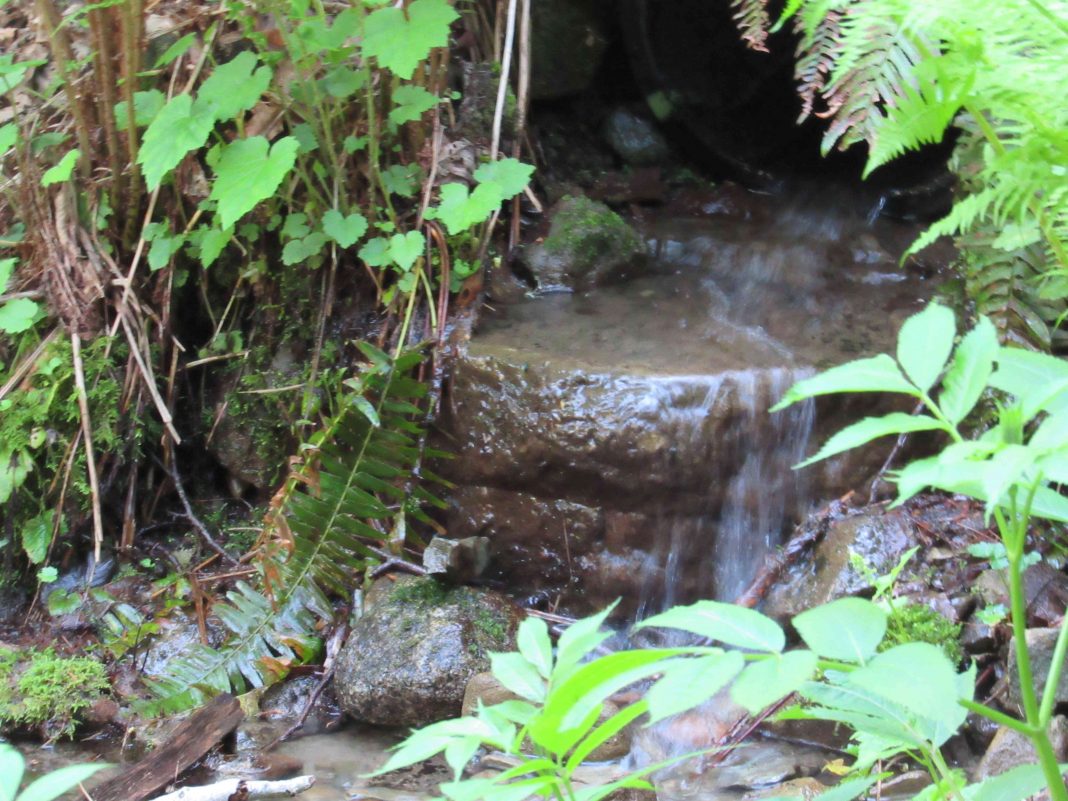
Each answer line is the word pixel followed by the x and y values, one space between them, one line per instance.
pixel 689 682
pixel 299 250
pixel 400 38
pixel 876 374
pixel 146 106
pixel 212 244
pixel 410 103
pixel 346 231
pixel 969 372
pixel 848 629
pixel 234 87
pixel 727 623
pixel 924 344
pixel 343 81
pixel 460 209
pixel 376 252
pixel 404 249
pixel 17 315
pixel 769 680
pixel 893 676
pixel 870 428
pixel 162 249
pixel 37 536
pixel 249 171
pixel 533 642
pixel 518 675
pixel 177 129
pixel 511 175
pixel 62 171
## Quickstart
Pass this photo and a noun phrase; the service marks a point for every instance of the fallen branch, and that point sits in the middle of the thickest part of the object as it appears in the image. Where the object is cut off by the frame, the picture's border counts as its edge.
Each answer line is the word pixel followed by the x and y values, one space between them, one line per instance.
pixel 239 789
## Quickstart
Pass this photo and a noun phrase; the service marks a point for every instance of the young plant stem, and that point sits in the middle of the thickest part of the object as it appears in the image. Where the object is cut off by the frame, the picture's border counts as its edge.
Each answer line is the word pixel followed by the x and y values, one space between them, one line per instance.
pixel 1014 534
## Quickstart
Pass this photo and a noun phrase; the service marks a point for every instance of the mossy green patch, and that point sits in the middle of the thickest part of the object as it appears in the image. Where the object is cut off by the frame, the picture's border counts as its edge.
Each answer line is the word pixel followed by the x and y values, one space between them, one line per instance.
pixel 48 690
pixel 589 233
pixel 919 623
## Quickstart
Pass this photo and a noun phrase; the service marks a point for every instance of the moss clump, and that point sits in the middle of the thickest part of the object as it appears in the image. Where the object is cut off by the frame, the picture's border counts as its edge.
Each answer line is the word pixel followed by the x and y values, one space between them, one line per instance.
pixel 919 623
pixel 589 233
pixel 422 593
pixel 48 691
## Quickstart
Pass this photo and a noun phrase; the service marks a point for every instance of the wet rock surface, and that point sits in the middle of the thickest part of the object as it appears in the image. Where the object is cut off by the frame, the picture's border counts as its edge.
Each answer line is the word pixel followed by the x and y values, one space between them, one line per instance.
pixel 1010 749
pixel 635 138
pixel 622 432
pixel 409 657
pixel 1040 645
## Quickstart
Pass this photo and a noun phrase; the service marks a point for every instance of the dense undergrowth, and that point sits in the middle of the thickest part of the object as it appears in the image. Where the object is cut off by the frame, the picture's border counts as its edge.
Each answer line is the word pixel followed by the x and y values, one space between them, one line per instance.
pixel 178 208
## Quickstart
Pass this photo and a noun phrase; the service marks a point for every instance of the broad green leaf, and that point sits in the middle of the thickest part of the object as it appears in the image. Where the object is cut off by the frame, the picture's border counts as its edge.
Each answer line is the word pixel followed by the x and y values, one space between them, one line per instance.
pixel 212 244
pixel 17 315
pixel 1052 433
pixel 532 638
pixel 295 226
pixel 250 170
pixel 491 790
pixel 924 344
pixel 11 767
pixel 162 249
pixel 405 249
pixel 410 103
pixel 511 175
pixel 969 372
pixel 433 739
pixel 1039 380
pixel 8 136
pixel 460 209
pixel 400 38
pixel 1012 785
pixel 603 733
pixel 1004 470
pixel 56 783
pixel 401 179
pixel 14 467
pixel 298 250
pixel 848 629
pixel 177 129
pixel 870 428
pixel 37 536
pixel 1049 504
pixel 727 623
pixel 895 675
pixel 146 106
pixel 343 81
pixel 234 87
pixel 574 704
pixel 375 253
pixel 346 231
pixel 765 682
pixel 518 675
pixel 62 171
pixel 459 752
pixel 578 641
pixel 876 374
pixel 689 682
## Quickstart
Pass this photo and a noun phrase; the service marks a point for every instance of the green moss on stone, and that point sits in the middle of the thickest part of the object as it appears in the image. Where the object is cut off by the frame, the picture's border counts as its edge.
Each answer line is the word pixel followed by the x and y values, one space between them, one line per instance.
pixel 48 690
pixel 588 233
pixel 918 623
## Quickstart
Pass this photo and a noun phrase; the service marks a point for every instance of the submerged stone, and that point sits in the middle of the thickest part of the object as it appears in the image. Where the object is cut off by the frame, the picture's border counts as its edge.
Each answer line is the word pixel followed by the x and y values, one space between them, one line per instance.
pixel 635 138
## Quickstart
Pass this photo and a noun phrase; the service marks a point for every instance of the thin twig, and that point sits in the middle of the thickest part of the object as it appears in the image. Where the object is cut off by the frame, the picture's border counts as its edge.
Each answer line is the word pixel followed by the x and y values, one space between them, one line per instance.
pixel 90 459
pixel 205 535
pixel 502 87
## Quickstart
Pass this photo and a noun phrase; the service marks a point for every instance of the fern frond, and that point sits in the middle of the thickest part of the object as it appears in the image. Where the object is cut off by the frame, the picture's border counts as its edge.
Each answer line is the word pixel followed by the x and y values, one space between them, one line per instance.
pixel 358 473
pixel 754 24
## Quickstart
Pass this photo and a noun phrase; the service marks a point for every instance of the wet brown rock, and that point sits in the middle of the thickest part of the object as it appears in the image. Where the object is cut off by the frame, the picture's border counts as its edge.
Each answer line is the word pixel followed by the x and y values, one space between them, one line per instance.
pixel 1010 749
pixel 879 537
pixel 1040 646
pixel 1045 591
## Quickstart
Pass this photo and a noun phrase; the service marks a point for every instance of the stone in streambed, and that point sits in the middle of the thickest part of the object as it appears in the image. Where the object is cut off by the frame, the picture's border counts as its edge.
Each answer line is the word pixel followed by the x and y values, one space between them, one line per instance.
pixel 635 138
pixel 409 657
pixel 1010 749
pixel 1040 645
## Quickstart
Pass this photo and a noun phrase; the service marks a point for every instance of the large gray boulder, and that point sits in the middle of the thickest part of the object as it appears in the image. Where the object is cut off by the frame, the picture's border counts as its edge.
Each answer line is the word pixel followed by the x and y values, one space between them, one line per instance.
pixel 411 654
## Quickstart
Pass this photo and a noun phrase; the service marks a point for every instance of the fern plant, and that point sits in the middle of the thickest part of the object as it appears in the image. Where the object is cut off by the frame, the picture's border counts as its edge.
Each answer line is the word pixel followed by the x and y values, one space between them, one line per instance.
pixel 898 74
pixel 359 473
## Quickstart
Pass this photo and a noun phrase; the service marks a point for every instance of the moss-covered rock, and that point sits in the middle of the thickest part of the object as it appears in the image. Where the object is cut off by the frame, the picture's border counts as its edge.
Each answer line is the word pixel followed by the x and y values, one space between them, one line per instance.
pixel 47 691
pixel 588 243
pixel 409 657
pixel 919 623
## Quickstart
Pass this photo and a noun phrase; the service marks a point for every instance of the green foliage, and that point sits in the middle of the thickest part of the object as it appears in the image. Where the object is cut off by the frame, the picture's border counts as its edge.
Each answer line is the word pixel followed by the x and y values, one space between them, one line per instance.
pixel 919 623
pixel 18 314
pixel 48 690
pixel 1015 467
pixel 357 472
pixel 400 38
pixel 46 788
pixel 897 74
